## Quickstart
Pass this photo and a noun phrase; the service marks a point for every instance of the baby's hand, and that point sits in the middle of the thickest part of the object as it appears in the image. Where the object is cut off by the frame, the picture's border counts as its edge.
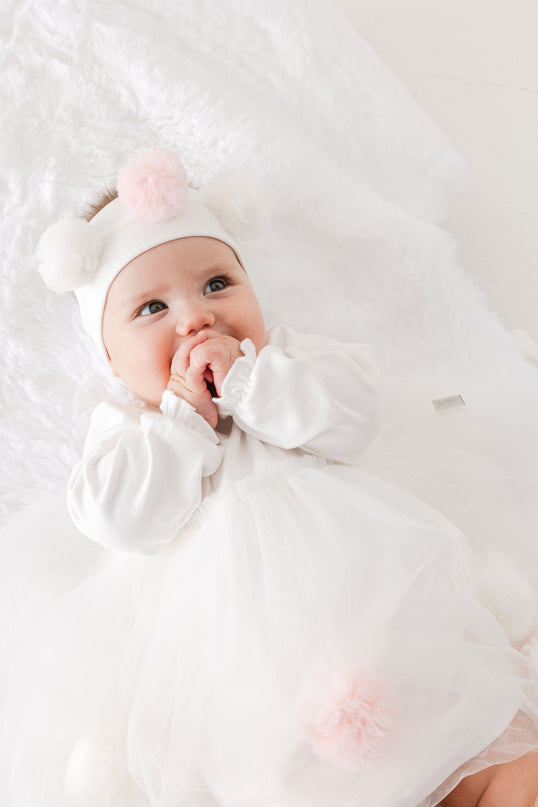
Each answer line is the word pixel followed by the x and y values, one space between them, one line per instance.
pixel 189 382
pixel 200 359
pixel 215 356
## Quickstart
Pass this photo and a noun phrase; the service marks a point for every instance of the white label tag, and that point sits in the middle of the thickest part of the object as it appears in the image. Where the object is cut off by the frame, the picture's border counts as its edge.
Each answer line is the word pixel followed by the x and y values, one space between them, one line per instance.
pixel 454 403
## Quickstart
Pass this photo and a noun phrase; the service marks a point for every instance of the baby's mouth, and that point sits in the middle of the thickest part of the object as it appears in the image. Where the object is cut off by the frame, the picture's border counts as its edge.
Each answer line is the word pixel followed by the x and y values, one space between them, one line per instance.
pixel 208 378
pixel 212 389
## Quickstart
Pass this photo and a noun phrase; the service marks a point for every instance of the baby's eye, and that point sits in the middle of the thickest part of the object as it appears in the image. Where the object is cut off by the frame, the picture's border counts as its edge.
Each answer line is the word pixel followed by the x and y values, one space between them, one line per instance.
pixel 151 308
pixel 217 284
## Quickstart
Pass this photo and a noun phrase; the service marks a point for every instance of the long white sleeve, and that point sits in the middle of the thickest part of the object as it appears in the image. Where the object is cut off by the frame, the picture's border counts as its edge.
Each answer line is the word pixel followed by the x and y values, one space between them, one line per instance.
pixel 140 476
pixel 306 391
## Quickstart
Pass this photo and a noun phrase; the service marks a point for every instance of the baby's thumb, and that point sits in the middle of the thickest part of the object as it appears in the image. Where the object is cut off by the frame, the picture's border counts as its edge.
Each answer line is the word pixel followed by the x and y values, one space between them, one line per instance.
pixel 195 378
pixel 178 366
pixel 182 356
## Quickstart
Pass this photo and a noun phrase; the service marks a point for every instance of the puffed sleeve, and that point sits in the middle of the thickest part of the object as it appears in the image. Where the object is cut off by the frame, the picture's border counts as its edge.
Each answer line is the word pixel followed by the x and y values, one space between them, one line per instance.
pixel 306 391
pixel 140 476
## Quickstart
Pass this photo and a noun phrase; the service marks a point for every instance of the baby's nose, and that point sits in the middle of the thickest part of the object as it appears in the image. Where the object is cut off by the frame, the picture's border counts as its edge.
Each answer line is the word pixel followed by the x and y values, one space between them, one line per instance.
pixel 194 319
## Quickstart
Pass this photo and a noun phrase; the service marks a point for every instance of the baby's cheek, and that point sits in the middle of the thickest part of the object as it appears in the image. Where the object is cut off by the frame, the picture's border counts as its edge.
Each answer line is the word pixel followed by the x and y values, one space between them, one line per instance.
pixel 152 373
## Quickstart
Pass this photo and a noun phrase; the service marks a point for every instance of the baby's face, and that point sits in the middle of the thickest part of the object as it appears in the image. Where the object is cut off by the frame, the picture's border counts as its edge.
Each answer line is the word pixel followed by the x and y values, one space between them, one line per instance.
pixel 168 293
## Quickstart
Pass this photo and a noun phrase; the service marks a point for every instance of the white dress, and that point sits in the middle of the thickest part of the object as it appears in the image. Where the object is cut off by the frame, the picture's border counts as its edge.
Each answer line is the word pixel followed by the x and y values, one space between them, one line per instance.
pixel 258 621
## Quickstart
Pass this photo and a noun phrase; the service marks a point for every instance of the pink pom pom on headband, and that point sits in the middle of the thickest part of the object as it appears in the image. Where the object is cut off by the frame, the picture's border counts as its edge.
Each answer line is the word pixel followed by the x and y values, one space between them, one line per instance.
pixel 154 205
pixel 152 184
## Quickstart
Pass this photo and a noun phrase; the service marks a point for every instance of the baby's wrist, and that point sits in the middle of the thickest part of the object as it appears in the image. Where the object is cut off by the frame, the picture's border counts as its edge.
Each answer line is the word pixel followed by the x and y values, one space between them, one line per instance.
pixel 238 378
pixel 175 405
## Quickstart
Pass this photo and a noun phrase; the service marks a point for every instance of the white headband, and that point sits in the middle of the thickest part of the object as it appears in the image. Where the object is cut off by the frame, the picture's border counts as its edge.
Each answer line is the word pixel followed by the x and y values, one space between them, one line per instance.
pixel 154 206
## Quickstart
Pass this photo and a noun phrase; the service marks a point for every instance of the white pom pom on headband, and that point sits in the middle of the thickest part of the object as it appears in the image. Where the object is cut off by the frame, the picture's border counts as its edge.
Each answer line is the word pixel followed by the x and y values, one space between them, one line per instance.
pixel 154 205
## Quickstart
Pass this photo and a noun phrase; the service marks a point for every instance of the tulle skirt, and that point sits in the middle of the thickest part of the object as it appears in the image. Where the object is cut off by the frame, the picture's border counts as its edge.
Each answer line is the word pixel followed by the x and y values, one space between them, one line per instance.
pixel 477 465
pixel 313 638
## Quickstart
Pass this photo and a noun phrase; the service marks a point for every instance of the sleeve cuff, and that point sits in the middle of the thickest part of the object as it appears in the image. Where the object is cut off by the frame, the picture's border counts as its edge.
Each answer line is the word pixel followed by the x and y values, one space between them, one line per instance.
pixel 237 381
pixel 180 411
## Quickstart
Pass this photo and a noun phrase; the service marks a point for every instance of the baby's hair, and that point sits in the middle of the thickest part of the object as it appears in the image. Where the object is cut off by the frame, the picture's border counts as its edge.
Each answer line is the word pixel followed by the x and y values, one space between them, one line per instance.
pixel 93 208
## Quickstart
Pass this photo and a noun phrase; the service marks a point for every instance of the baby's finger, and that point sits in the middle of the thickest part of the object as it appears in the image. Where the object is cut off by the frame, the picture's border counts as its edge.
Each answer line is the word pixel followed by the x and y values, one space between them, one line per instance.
pixel 195 378
pixel 208 355
pixel 218 355
pixel 180 361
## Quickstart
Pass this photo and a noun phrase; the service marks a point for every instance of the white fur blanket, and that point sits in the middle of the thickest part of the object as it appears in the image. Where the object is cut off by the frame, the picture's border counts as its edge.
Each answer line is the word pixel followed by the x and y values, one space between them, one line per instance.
pixel 359 180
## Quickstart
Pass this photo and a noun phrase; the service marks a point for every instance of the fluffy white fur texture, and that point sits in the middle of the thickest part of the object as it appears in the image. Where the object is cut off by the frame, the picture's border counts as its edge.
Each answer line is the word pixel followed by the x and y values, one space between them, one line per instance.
pixel 240 203
pixel 360 180
pixel 68 253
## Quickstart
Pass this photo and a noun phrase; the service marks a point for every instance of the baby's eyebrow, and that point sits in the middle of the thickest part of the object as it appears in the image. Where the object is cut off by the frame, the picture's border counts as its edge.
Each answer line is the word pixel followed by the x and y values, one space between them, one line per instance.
pixel 219 268
pixel 144 296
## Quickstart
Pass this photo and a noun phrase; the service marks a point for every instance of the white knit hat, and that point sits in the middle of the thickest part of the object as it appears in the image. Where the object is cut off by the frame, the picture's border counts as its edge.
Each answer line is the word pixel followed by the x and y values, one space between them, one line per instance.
pixel 154 206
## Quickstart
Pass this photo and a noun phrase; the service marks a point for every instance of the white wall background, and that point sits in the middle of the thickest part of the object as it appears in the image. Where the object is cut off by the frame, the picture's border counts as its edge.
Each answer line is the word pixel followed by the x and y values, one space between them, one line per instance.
pixel 473 67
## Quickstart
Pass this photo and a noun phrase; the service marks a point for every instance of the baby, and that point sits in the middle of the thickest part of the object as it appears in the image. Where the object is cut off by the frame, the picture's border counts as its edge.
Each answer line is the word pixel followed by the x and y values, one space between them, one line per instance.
pixel 293 630
pixel 196 329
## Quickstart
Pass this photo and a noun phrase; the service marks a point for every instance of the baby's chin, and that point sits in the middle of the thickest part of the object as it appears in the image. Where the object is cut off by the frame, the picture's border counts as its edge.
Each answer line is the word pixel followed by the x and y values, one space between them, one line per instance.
pixel 150 398
pixel 150 401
